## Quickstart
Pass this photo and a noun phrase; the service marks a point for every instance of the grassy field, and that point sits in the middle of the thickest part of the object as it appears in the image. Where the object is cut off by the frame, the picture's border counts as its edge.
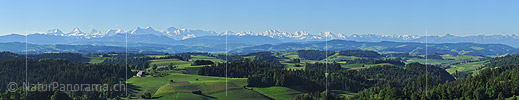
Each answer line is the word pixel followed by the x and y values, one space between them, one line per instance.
pixel 215 87
pixel 447 59
pixel 465 67
pixel 278 93
pixel 166 62
pixel 290 55
pixel 206 58
pixel 360 66
pixel 157 56
pixel 153 83
pixel 212 87
pixel 463 57
pixel 351 65
pixel 96 60
pixel 428 61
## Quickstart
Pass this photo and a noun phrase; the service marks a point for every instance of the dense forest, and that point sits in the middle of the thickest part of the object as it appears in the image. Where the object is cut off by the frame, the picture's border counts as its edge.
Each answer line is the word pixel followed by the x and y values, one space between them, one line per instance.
pixel 314 54
pixel 73 57
pixel 360 53
pixel 202 62
pixel 46 71
pixel 321 67
pixel 504 60
pixel 228 57
pixel 491 83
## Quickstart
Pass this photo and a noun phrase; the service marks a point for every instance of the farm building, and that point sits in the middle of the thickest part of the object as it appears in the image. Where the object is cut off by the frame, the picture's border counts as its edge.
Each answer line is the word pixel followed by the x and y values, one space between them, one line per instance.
pixel 140 74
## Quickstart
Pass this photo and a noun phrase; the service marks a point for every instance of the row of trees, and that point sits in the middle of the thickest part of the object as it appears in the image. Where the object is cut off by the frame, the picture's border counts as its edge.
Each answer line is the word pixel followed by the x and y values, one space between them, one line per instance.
pixel 374 61
pixel 314 54
pixel 73 57
pixel 202 62
pixel 360 53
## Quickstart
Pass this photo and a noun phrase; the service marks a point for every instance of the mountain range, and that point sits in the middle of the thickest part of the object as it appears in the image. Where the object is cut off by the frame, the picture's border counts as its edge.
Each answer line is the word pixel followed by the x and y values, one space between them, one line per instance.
pixel 172 34
pixel 187 40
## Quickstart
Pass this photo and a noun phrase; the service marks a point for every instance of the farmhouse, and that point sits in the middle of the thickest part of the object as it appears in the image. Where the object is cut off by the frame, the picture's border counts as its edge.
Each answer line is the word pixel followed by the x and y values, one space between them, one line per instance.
pixel 140 74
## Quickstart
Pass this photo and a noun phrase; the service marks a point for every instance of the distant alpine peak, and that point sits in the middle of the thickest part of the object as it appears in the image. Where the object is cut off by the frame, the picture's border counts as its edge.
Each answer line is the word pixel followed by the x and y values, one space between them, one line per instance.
pixel 148 30
pixel 56 32
pixel 76 32
pixel 94 31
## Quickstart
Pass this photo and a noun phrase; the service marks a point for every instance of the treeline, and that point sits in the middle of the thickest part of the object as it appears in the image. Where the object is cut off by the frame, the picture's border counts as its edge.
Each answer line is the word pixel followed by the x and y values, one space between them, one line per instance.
pixel 319 55
pixel 321 67
pixel 195 53
pixel 360 53
pixel 228 57
pixel 314 54
pixel 46 71
pixel 390 61
pixel 73 57
pixel 400 77
pixel 504 60
pixel 404 56
pixel 374 61
pixel 116 55
pixel 202 62
pixel 264 56
pixel 142 62
pixel 239 69
pixel 138 62
pixel 433 56
pixel 490 83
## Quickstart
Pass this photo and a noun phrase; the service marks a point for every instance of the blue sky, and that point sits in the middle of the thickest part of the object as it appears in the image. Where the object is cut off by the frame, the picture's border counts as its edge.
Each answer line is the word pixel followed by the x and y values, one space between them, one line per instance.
pixel 459 17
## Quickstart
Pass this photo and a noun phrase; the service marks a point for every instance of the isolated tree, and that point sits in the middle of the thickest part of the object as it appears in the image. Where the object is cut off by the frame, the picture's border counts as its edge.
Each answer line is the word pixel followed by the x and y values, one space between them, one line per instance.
pixel 146 65
pixel 154 67
pixel 170 66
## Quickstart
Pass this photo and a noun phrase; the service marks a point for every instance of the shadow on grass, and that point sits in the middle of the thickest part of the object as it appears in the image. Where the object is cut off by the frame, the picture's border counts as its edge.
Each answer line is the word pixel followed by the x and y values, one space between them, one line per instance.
pixel 207 96
pixel 132 89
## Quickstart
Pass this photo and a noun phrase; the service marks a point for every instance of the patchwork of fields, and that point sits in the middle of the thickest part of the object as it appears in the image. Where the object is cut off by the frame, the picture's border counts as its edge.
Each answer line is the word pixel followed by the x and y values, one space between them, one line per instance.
pixel 215 87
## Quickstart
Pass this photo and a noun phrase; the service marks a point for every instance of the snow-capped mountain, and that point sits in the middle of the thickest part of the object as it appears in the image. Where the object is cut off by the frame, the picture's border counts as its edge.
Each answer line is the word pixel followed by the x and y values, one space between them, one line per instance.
pixel 150 35
pixel 141 31
pixel 182 34
pixel 55 32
